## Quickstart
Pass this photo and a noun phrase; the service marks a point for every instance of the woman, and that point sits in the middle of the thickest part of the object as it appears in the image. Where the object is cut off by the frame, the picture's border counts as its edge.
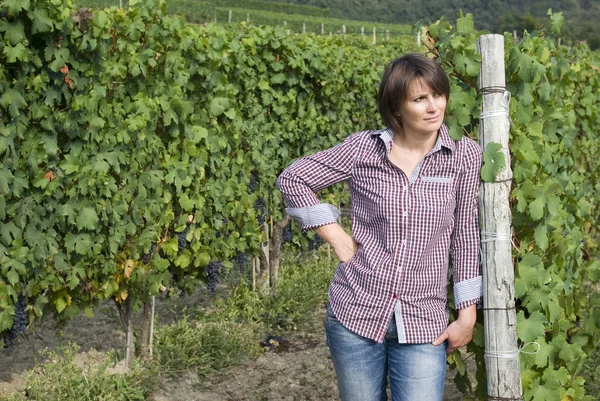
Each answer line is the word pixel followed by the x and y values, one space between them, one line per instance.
pixel 414 207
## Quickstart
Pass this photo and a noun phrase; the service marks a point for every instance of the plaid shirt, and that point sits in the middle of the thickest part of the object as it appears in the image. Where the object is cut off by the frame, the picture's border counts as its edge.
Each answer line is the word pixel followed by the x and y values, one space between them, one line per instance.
pixel 406 229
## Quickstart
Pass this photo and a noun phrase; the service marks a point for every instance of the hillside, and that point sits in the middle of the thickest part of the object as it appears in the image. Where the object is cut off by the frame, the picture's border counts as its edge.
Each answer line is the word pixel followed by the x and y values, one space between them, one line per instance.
pixel 581 16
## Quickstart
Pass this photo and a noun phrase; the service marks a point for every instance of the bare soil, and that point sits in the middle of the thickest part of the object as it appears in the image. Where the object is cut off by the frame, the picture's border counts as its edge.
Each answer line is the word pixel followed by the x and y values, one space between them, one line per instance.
pixel 298 369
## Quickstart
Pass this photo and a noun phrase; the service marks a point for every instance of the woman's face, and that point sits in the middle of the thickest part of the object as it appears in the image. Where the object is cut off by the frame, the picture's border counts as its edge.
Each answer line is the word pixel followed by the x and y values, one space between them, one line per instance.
pixel 423 111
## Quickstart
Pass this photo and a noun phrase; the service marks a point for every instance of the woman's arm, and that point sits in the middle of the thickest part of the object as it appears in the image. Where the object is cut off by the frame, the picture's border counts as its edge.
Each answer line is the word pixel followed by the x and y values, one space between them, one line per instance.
pixel 308 175
pixel 465 252
pixel 343 244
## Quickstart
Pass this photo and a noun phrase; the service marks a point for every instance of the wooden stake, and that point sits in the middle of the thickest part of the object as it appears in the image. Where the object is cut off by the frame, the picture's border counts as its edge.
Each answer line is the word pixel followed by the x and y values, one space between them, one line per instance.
pixel 374 35
pixel 502 353
pixel 152 327
pixel 254 273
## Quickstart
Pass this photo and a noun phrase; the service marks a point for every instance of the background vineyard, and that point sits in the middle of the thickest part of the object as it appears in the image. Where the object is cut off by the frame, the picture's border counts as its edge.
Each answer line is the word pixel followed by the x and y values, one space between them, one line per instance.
pixel 295 18
pixel 117 125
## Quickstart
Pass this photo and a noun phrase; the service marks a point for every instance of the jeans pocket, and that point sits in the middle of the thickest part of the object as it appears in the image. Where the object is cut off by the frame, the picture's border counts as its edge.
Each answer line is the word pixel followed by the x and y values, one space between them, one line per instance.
pixel 330 316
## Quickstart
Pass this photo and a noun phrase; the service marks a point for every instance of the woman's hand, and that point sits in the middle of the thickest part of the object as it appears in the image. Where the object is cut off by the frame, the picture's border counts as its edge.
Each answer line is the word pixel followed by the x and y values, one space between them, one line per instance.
pixel 460 332
pixel 343 244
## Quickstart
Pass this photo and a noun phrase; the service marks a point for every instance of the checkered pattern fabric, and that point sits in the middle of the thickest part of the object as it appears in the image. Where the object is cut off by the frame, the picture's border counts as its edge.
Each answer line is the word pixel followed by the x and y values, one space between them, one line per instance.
pixel 407 230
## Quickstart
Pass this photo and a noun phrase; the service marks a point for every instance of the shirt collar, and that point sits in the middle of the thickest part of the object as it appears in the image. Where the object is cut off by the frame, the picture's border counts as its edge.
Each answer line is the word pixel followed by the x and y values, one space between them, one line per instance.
pixel 443 139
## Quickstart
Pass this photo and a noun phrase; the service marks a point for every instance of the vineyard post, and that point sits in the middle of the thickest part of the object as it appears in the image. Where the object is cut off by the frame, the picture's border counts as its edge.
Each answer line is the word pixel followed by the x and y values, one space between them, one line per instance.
pixel 387 34
pixel 229 16
pixel 248 19
pixel 304 27
pixel 501 351
pixel 374 35
pixel 344 30
pixel 362 31
pixel 322 28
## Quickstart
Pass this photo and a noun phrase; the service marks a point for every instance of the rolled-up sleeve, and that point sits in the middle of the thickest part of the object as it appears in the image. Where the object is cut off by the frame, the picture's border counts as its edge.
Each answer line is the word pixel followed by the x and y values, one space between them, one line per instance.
pixel 468 283
pixel 300 182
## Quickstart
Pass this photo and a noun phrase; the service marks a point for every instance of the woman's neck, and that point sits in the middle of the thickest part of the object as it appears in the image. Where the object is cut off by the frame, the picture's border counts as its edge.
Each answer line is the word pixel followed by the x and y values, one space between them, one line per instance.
pixel 414 143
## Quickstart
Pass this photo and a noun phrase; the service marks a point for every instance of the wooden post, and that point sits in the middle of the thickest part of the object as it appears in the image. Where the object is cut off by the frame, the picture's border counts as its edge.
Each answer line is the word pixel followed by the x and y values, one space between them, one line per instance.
pixel 374 35
pixel 304 27
pixel 152 327
pixel 419 38
pixel 344 31
pixel 387 34
pixel 500 321
pixel 254 273
pixel 362 31
pixel 322 28
pixel 247 18
pixel 230 16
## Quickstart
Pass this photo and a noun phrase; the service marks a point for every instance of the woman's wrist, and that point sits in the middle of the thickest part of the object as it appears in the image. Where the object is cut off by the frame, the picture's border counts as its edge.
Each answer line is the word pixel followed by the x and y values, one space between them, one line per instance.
pixel 468 315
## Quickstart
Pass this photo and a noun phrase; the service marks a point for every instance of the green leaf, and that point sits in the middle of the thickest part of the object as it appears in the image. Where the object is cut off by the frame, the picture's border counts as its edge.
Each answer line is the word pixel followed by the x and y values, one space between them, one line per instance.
pixel 528 329
pixel 13 99
pixel 13 31
pixel 541 237
pixel 202 259
pixel 12 276
pixel 493 162
pixel 218 105
pixel 537 392
pixel 15 6
pixel 183 260
pixel 87 219
pixel 61 56
pixel 537 207
pixel 41 22
pixel 15 53
pixel 558 20
pixel 60 304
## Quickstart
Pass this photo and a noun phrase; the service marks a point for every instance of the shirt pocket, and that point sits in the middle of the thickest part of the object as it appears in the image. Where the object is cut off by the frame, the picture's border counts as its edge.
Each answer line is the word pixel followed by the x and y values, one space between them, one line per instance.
pixel 436 197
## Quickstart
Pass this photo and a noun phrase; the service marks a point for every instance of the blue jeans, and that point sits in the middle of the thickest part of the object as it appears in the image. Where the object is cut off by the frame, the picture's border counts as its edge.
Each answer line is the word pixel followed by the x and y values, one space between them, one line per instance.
pixel 362 366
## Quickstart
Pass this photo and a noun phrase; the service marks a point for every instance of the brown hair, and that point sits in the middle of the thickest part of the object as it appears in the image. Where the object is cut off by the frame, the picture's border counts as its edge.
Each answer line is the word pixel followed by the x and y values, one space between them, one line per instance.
pixel 398 75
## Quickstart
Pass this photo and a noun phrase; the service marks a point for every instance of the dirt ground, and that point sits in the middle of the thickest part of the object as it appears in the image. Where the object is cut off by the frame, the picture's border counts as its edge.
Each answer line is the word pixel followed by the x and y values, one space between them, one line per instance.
pixel 299 369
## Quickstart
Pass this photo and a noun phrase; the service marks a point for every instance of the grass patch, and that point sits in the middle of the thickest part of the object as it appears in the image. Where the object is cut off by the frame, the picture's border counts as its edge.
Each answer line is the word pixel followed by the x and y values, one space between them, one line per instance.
pixel 591 374
pixel 231 329
pixel 60 378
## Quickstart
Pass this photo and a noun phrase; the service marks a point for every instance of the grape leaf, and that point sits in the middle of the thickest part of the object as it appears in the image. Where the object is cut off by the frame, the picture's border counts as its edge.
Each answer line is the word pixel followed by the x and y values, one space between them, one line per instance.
pixel 493 162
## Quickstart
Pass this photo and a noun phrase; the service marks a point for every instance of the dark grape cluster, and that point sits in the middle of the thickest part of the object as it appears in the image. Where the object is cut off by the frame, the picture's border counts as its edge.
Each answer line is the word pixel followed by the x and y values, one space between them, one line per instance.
pixel 19 323
pixel 261 208
pixel 181 241
pixel 240 260
pixel 287 234
pixel 213 269
pixel 315 243
pixel 147 256
pixel 252 184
